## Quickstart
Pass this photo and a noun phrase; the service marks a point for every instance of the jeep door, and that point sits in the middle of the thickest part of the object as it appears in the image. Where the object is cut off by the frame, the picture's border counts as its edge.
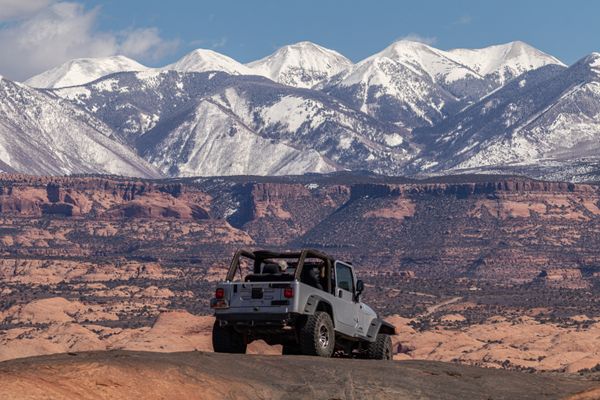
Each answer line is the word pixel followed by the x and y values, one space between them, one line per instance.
pixel 346 309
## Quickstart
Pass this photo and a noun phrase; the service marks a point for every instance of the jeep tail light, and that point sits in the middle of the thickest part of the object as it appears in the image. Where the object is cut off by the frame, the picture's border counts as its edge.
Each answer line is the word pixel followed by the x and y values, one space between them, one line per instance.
pixel 288 292
pixel 220 293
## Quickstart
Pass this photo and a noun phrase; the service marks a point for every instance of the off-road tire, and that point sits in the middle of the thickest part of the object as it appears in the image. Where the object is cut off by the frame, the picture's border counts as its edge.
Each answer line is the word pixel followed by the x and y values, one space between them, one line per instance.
pixel 317 336
pixel 381 348
pixel 225 339
pixel 291 350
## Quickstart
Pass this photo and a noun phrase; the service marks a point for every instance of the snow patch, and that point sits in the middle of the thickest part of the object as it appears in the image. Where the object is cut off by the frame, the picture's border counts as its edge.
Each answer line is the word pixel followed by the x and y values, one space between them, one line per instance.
pixel 292 112
pixel 393 140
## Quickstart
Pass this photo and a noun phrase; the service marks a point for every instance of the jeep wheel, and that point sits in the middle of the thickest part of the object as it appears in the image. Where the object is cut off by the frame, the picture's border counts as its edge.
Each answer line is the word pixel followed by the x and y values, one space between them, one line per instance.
pixel 381 348
pixel 225 339
pixel 317 337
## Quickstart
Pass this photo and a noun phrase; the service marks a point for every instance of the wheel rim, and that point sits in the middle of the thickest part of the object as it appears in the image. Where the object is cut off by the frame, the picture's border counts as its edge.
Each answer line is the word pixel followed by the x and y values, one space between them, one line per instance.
pixel 323 336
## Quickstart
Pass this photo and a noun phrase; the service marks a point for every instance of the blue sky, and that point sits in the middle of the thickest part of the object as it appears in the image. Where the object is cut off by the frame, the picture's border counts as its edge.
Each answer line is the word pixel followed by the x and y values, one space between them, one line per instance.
pixel 39 34
pixel 247 30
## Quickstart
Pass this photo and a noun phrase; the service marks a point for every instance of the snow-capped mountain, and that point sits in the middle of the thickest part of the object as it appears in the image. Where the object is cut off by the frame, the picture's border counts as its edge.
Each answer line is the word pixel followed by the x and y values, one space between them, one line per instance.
pixel 502 62
pixel 209 140
pixel 303 65
pixel 133 103
pixel 40 134
pixel 202 60
pixel 414 85
pixel 395 88
pixel 311 120
pixel 410 109
pixel 552 113
pixel 83 70
pixel 436 64
pixel 214 123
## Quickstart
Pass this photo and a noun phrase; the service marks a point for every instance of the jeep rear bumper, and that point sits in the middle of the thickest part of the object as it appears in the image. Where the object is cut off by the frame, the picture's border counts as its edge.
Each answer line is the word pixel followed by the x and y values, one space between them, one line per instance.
pixel 256 319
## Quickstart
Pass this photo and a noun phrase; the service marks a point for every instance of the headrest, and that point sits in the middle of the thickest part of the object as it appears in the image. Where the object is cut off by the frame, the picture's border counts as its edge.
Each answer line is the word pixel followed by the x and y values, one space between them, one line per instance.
pixel 310 271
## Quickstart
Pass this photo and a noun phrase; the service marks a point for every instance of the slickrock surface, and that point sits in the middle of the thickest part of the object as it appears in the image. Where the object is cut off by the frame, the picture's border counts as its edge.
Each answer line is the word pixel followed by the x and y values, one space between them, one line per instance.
pixel 56 326
pixel 143 375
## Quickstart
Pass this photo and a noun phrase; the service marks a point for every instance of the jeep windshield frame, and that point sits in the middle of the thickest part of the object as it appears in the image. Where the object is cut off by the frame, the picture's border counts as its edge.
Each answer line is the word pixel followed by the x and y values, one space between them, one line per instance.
pixel 259 256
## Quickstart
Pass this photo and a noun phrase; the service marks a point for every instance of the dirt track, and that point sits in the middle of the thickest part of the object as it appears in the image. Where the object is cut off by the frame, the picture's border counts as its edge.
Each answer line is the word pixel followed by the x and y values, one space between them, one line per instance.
pixel 196 375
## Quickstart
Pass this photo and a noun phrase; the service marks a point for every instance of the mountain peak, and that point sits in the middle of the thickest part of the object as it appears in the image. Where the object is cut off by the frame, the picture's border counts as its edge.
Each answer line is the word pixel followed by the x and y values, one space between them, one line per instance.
pixel 504 61
pixel 305 44
pixel 589 63
pixel 203 60
pixel 423 60
pixel 83 70
pixel 593 59
pixel 98 60
pixel 205 53
pixel 518 44
pixel 303 64
pixel 405 47
pixel 410 43
pixel 517 48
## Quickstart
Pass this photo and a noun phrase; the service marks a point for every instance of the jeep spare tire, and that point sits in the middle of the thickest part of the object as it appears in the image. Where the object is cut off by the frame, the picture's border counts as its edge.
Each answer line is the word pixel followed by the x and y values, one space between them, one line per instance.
pixel 317 336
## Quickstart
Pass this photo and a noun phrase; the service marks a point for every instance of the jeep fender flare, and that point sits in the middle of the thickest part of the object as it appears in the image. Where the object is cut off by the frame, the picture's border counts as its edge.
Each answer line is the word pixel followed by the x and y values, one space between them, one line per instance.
pixel 380 326
pixel 316 303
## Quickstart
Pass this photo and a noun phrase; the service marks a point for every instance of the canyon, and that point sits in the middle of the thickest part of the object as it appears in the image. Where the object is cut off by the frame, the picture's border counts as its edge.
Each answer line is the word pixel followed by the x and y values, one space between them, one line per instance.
pixel 495 271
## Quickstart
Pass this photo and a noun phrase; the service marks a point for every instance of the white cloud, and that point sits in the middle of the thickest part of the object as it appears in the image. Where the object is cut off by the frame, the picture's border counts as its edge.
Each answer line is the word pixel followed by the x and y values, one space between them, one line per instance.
pixel 62 31
pixel 146 44
pixel 11 9
pixel 415 37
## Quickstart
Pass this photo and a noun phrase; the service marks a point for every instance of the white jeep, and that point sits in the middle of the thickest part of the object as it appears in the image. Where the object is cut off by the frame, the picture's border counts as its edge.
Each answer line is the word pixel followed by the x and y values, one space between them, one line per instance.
pixel 306 301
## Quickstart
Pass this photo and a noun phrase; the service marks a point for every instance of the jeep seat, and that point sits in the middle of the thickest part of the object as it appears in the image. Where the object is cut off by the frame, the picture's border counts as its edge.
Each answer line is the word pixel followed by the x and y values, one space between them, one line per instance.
pixel 270 269
pixel 310 276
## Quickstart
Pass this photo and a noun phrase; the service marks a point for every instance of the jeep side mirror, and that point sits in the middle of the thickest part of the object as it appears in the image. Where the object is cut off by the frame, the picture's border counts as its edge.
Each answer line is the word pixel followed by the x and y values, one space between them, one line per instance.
pixel 360 286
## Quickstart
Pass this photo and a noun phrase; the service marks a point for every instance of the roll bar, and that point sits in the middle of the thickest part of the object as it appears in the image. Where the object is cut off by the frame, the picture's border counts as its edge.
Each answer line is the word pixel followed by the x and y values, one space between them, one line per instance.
pixel 259 255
